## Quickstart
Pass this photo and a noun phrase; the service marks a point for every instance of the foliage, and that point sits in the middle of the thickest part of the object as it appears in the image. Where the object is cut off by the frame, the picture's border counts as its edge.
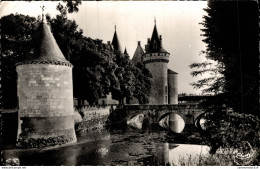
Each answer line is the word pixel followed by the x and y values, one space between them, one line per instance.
pixel 77 117
pixel 123 85
pixel 231 34
pixel 142 83
pixel 71 6
pixel 131 81
pixel 220 159
pixel 17 33
pixel 227 129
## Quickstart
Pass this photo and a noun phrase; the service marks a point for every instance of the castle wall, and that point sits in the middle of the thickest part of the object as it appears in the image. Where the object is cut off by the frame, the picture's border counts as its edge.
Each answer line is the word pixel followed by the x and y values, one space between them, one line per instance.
pixel 158 66
pixel 45 97
pixel 173 88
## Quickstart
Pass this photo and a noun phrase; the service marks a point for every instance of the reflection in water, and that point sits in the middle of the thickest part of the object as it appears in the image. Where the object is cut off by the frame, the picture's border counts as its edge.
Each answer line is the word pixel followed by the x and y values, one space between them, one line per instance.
pixel 202 123
pixel 119 144
pixel 136 121
pixel 132 147
pixel 173 122
pixel 162 154
pixel 174 154
pixel 184 152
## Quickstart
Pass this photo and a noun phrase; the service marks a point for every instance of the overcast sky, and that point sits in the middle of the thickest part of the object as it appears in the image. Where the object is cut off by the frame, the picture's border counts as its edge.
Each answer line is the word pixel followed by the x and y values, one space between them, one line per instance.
pixel 177 22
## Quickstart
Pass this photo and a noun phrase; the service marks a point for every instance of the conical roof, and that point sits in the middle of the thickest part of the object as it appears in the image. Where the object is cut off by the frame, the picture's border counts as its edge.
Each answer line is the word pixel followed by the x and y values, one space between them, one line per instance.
pixel 138 54
pixel 171 72
pixel 155 45
pixel 46 50
pixel 116 43
pixel 125 52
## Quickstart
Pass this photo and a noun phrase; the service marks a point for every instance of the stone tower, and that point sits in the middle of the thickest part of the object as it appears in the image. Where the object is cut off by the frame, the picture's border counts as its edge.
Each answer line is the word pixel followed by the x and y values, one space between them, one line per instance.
pixel 45 95
pixel 172 87
pixel 156 61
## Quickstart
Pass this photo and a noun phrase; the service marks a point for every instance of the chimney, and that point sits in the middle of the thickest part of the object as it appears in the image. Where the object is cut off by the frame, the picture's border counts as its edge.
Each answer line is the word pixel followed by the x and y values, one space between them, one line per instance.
pixel 139 43
pixel 148 40
pixel 160 37
pixel 108 42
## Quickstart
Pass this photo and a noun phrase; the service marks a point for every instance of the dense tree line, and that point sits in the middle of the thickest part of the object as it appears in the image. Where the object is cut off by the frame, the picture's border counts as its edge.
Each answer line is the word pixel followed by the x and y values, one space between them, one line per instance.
pixel 231 32
pixel 97 69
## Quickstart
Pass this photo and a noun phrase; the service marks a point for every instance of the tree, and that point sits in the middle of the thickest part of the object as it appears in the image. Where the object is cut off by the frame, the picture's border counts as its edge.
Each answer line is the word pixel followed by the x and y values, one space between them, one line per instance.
pixel 17 33
pixel 91 74
pixel 123 79
pixel 142 83
pixel 130 81
pixel 231 34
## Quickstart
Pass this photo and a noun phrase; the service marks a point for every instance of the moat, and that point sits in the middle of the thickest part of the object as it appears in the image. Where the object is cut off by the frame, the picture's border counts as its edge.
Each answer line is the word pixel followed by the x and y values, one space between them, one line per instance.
pixel 117 145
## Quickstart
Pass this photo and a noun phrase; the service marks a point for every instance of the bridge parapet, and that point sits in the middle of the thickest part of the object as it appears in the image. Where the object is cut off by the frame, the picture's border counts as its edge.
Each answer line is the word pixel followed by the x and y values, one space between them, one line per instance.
pixel 189 112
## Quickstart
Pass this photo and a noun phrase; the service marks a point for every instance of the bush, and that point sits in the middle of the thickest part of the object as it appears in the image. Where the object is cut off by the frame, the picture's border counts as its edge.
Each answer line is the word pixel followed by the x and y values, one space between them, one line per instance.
pixel 234 131
pixel 77 117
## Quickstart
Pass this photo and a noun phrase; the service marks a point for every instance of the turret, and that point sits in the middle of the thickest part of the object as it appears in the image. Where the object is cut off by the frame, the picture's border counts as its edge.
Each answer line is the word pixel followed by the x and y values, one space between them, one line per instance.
pixel 156 61
pixel 115 43
pixel 45 95
pixel 126 54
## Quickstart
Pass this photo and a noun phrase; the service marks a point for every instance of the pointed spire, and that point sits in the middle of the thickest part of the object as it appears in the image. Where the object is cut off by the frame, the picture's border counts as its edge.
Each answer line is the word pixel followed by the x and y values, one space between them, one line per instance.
pixel 43 18
pixel 155 37
pixel 125 52
pixel 155 44
pixel 116 43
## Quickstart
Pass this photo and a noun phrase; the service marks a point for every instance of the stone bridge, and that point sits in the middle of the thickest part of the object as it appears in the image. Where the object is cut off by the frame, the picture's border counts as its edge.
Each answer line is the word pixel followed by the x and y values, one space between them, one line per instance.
pixel 189 112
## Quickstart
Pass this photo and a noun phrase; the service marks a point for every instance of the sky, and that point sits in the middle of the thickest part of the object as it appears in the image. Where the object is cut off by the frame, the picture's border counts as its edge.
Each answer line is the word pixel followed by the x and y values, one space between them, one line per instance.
pixel 177 22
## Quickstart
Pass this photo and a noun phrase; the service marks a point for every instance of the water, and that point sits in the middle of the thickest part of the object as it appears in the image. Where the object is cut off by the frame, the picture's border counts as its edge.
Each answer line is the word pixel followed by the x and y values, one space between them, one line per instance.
pixel 118 145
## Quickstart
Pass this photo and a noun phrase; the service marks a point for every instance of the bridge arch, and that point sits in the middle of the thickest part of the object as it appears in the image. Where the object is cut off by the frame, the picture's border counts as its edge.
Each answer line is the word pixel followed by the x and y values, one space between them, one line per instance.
pixel 197 120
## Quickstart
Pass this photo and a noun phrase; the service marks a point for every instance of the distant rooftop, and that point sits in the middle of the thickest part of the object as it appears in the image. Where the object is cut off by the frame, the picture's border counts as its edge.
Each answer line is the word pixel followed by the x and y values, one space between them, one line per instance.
pixel 138 54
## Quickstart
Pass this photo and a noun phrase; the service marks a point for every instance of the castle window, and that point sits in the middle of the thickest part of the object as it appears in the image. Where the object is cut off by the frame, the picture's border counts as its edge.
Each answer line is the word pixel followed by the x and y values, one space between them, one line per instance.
pixel 166 99
pixel 166 90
